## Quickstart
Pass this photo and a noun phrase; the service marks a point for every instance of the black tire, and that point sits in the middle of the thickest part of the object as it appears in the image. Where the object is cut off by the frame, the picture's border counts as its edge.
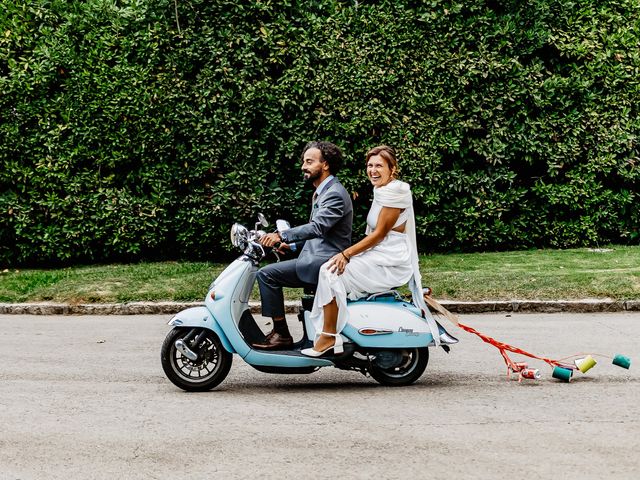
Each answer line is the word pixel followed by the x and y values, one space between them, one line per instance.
pixel 414 363
pixel 211 367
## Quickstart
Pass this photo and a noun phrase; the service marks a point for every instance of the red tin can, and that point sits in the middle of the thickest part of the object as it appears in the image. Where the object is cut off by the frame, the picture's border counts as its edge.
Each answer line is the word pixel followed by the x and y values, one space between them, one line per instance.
pixel 530 373
pixel 515 370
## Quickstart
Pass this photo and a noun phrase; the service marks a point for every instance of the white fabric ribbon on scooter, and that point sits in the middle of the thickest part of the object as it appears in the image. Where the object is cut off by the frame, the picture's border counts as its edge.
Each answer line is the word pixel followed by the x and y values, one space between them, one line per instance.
pixel 397 194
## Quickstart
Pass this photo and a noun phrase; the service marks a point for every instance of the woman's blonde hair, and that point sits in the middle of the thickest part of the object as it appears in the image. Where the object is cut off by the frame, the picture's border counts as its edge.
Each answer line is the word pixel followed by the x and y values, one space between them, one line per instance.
pixel 389 155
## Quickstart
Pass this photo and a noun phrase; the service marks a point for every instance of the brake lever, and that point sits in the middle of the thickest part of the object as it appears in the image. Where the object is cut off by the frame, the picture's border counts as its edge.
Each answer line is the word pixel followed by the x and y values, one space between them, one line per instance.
pixel 275 249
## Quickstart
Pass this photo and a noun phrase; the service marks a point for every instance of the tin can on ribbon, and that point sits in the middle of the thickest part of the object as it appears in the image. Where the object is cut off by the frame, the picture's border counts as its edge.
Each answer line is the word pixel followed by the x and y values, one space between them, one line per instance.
pixel 562 373
pixel 530 373
pixel 622 361
pixel 516 370
pixel 585 364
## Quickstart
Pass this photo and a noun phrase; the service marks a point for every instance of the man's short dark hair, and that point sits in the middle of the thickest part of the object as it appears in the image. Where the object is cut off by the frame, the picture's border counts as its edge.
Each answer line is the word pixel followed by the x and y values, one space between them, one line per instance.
pixel 330 153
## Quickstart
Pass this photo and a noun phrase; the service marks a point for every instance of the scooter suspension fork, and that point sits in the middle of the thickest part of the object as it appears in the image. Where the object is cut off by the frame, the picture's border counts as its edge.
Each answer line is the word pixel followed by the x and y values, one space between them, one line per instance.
pixel 182 344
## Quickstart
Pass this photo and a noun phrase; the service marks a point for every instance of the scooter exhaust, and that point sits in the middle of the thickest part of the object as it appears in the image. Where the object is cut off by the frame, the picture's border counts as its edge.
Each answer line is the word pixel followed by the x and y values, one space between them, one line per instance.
pixel 186 351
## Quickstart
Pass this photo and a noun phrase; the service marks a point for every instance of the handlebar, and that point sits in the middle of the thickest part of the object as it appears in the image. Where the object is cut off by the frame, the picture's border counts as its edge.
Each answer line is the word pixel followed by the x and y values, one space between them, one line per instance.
pixel 257 246
pixel 249 241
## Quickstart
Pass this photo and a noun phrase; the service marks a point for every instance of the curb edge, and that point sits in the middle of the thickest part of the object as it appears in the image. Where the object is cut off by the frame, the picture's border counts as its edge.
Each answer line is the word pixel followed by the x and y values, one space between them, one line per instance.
pixel 462 307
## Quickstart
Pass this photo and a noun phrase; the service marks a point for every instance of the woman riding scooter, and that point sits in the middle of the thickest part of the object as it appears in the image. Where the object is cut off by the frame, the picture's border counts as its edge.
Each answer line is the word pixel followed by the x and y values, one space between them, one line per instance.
pixel 385 337
pixel 385 258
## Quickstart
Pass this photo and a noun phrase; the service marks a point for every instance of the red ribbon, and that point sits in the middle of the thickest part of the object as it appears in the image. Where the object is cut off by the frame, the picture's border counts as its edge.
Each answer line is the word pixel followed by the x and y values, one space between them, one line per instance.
pixel 504 347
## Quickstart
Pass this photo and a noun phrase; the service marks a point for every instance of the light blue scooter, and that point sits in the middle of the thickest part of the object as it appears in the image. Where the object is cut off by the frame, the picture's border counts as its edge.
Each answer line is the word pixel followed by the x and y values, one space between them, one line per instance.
pixel 386 336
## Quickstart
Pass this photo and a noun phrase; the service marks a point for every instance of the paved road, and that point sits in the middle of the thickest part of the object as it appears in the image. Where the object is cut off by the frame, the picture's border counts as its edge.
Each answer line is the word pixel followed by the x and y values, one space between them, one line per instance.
pixel 85 397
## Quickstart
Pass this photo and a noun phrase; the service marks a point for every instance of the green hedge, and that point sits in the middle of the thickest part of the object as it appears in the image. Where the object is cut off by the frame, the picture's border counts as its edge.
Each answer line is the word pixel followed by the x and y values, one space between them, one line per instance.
pixel 128 131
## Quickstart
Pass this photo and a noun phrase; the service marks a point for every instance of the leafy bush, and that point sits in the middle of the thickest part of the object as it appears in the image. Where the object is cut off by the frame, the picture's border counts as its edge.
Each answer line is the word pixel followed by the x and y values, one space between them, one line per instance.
pixel 128 131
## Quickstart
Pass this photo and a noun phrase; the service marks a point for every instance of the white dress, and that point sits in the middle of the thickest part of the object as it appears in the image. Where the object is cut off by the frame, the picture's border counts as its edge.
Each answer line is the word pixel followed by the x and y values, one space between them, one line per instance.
pixel 391 263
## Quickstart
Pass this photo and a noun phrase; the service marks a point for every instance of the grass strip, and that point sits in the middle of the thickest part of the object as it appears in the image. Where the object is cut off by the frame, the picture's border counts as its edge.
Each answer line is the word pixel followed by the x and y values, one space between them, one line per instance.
pixel 612 272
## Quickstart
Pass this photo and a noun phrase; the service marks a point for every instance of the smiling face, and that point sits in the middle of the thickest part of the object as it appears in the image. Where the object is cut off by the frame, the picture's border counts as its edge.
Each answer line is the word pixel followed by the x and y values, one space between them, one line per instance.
pixel 379 171
pixel 314 168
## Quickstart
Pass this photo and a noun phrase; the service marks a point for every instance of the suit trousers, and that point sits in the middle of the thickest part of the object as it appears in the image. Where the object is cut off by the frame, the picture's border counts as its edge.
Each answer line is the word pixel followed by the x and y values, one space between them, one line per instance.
pixel 271 279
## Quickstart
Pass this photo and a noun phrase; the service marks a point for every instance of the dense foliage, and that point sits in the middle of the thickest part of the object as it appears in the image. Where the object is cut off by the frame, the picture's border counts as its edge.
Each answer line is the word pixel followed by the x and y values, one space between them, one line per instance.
pixel 143 128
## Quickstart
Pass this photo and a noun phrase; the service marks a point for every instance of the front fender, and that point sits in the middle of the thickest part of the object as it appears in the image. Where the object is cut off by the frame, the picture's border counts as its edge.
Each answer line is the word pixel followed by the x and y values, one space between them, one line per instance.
pixel 201 317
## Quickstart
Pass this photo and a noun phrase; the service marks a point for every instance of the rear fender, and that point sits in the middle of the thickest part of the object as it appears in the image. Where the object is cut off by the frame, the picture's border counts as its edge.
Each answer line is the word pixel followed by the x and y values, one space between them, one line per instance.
pixel 200 317
pixel 391 324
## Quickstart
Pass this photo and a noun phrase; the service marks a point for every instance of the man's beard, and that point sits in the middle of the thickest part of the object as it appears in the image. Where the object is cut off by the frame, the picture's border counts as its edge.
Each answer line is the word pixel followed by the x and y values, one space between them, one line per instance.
pixel 310 177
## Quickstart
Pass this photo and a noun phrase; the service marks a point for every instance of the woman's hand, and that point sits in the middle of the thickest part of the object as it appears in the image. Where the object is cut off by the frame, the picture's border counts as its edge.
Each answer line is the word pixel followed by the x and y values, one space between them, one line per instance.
pixel 337 264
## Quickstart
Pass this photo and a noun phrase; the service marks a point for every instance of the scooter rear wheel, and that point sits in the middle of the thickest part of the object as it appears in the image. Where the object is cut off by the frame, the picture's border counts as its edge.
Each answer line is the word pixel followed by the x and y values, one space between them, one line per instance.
pixel 413 364
pixel 206 372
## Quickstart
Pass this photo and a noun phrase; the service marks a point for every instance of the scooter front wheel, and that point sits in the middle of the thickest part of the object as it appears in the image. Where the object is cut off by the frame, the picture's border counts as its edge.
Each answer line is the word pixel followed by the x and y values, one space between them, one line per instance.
pixel 409 366
pixel 203 373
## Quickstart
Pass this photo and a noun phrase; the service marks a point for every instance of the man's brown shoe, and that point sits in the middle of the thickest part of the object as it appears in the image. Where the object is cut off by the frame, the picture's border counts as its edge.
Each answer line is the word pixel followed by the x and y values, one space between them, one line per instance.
pixel 274 341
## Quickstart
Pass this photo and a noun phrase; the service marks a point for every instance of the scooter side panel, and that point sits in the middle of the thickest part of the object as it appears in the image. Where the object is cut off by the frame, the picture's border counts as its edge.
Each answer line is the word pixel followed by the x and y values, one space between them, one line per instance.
pixel 406 329
pixel 200 317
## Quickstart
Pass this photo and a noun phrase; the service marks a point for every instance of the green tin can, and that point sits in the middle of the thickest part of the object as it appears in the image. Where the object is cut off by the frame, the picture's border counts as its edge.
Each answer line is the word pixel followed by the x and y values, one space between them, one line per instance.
pixel 622 361
pixel 563 374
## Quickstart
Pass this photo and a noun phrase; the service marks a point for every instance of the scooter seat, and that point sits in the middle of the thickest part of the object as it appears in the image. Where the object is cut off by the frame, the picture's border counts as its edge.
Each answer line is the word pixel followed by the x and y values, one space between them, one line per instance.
pixel 393 292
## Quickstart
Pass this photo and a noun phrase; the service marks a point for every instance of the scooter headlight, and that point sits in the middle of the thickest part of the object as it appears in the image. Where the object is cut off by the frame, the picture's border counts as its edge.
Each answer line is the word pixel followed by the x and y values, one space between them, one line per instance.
pixel 239 236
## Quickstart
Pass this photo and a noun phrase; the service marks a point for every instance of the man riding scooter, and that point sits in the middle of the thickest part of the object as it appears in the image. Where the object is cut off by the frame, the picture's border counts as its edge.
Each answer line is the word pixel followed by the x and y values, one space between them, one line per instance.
pixel 386 336
pixel 327 233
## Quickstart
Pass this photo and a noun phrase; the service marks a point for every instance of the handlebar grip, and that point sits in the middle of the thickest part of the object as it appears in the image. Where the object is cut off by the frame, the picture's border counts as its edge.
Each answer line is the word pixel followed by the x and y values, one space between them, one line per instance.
pixel 276 246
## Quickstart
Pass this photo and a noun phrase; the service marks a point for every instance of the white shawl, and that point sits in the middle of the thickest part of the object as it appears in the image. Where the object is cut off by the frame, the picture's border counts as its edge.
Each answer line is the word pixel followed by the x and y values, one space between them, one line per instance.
pixel 397 194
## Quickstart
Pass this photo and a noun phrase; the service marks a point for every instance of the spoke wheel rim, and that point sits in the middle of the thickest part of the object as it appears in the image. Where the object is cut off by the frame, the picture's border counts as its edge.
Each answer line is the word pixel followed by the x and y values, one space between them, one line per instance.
pixel 200 370
pixel 409 364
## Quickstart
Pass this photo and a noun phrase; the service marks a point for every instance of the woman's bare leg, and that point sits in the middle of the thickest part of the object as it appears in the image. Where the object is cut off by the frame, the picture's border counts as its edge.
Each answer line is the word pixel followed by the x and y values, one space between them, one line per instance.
pixel 330 321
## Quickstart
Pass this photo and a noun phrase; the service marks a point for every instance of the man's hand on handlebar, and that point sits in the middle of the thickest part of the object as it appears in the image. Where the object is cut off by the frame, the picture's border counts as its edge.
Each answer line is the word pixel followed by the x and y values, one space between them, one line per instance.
pixel 274 241
pixel 270 239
